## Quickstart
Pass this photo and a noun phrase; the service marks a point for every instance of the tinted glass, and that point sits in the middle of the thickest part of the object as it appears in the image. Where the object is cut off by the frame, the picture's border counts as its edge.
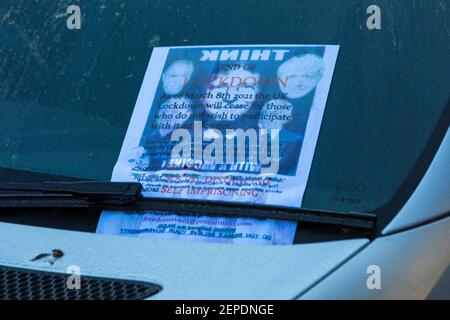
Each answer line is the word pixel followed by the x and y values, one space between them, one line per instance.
pixel 66 96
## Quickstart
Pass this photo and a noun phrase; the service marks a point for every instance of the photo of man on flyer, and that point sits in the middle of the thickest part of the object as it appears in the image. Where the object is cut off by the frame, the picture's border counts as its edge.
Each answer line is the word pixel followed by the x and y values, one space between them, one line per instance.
pixel 231 97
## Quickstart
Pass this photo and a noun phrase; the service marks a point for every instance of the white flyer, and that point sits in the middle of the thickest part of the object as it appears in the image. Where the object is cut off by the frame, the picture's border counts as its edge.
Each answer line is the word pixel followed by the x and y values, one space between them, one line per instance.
pixel 226 123
pixel 202 229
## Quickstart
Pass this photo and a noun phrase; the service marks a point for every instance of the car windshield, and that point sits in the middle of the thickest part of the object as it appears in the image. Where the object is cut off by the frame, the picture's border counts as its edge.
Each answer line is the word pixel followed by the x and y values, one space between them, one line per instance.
pixel 66 96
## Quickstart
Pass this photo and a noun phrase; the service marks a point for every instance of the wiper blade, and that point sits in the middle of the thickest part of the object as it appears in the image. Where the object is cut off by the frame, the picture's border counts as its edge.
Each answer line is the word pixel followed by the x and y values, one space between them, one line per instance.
pixel 84 194
pixel 127 197
pixel 356 220
pixel 72 193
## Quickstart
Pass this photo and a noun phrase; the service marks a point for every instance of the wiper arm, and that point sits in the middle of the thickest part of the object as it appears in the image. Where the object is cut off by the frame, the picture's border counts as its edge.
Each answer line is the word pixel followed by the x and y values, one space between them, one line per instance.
pixel 127 197
pixel 71 193
pixel 68 194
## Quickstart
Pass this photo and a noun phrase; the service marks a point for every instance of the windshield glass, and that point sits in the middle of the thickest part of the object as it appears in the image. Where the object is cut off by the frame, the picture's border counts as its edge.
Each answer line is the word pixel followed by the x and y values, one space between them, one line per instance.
pixel 66 96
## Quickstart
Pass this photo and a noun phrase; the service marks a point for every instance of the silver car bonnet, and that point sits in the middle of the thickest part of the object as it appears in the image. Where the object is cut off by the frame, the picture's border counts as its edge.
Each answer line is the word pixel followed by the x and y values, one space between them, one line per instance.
pixel 185 270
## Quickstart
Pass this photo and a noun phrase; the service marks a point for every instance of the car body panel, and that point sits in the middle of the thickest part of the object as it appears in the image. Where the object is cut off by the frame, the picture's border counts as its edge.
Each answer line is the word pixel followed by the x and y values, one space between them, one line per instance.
pixel 411 263
pixel 388 92
pixel 186 270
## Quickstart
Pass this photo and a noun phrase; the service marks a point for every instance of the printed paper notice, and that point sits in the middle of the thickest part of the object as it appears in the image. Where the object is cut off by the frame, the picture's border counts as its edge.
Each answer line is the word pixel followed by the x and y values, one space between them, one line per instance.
pixel 224 123
pixel 202 229
pixel 228 123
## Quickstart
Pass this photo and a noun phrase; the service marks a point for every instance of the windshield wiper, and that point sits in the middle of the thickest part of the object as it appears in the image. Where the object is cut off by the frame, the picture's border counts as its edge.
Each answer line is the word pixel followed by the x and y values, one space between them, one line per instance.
pixel 356 220
pixel 127 197
pixel 68 194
